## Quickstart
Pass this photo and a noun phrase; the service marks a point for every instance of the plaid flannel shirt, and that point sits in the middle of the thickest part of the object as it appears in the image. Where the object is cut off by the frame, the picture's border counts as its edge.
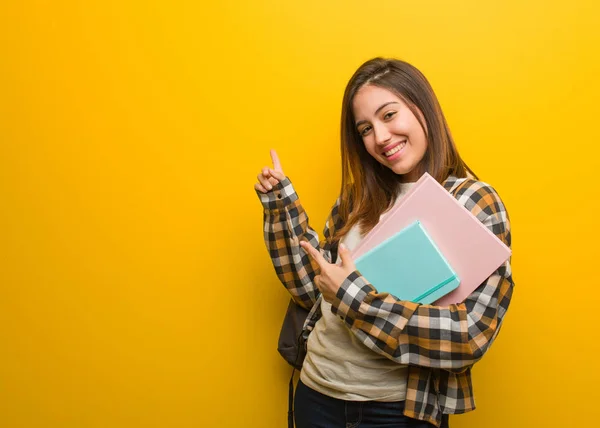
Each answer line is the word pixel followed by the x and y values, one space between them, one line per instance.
pixel 439 344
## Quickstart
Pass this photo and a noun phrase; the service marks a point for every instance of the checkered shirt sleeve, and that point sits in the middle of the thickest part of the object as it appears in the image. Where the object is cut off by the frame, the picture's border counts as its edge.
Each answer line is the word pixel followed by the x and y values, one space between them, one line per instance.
pixel 285 225
pixel 451 337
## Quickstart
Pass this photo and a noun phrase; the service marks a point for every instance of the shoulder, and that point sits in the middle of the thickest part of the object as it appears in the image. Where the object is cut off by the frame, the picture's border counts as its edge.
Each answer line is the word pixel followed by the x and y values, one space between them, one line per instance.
pixel 334 220
pixel 480 197
pixel 484 202
pixel 344 199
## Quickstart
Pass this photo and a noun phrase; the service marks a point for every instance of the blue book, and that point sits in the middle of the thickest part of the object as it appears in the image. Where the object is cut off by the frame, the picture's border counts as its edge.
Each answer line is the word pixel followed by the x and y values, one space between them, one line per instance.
pixel 409 266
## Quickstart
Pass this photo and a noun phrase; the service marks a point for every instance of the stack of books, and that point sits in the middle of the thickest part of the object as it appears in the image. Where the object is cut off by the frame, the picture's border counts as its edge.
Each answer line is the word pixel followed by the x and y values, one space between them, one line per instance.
pixel 429 249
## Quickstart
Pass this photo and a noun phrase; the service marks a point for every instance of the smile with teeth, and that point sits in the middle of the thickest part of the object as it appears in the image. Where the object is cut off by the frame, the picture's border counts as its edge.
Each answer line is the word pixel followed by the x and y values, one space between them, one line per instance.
pixel 395 149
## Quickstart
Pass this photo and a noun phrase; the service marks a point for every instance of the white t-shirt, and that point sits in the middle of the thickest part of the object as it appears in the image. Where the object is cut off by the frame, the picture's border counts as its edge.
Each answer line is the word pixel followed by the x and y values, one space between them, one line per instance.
pixel 338 365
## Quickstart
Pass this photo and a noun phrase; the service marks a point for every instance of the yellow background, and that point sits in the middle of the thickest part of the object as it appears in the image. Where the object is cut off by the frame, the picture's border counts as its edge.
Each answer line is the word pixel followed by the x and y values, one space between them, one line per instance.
pixel 135 287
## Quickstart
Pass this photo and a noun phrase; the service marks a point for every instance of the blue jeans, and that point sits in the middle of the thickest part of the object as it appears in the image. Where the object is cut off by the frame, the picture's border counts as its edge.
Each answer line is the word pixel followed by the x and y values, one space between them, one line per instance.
pixel 315 410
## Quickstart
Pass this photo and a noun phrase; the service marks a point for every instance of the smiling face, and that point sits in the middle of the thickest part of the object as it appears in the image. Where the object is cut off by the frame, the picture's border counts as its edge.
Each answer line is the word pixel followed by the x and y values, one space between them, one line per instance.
pixel 390 131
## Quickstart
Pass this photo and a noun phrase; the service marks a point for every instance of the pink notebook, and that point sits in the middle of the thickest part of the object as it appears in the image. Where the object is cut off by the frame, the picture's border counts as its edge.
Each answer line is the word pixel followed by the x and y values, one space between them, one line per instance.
pixel 472 250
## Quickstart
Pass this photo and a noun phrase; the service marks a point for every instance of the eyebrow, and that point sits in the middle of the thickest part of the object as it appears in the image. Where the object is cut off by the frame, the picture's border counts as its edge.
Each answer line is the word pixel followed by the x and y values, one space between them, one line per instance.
pixel 377 111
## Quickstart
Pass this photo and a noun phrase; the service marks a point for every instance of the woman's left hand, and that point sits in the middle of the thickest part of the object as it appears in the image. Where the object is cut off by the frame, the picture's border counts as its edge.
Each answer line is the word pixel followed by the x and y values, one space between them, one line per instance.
pixel 332 276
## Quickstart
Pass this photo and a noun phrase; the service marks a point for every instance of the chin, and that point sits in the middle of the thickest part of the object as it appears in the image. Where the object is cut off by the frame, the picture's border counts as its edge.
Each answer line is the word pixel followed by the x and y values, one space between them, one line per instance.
pixel 401 171
pixel 404 172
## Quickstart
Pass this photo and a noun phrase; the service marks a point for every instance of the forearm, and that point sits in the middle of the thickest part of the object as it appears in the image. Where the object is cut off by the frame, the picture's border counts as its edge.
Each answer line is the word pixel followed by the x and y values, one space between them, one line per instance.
pixel 446 337
pixel 285 225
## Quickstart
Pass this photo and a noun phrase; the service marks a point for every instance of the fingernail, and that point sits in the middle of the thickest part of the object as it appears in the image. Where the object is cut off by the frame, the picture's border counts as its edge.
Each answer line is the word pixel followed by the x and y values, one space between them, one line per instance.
pixel 342 246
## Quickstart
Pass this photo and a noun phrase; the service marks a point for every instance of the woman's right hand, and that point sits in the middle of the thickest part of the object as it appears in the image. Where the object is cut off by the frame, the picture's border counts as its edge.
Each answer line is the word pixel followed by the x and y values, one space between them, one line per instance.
pixel 270 177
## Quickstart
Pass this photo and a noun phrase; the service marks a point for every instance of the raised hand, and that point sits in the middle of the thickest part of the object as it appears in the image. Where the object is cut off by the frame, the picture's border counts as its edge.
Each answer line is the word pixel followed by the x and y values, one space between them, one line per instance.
pixel 269 177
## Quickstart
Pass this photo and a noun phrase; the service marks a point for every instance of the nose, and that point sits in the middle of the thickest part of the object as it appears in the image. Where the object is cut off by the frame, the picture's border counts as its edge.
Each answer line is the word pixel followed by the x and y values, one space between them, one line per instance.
pixel 382 134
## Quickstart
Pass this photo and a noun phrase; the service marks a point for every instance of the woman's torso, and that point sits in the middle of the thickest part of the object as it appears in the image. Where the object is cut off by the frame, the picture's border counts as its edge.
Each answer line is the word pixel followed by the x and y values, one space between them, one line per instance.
pixel 337 364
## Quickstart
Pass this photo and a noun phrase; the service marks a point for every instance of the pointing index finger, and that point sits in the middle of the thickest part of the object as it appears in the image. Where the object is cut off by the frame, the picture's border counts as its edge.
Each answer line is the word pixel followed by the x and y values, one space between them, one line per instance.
pixel 276 162
pixel 314 253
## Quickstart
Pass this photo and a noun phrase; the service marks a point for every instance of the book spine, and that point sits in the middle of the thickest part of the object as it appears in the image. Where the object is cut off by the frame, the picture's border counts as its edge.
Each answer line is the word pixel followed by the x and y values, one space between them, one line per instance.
pixel 434 289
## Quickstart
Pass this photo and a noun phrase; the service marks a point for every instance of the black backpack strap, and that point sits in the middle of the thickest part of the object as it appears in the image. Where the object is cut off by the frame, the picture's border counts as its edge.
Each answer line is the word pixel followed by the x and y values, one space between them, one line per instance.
pixel 300 354
pixel 291 401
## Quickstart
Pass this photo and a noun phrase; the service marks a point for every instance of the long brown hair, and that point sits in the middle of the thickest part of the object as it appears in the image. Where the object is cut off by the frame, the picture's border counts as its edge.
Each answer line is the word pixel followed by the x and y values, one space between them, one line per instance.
pixel 369 188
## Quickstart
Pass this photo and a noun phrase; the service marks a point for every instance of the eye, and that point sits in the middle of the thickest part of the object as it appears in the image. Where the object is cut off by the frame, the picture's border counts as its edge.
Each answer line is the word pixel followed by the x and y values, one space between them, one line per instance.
pixel 364 131
pixel 389 115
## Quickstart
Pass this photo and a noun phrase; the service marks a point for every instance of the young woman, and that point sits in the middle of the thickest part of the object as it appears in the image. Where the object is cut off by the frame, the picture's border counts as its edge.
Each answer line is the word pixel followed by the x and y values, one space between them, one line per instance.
pixel 373 360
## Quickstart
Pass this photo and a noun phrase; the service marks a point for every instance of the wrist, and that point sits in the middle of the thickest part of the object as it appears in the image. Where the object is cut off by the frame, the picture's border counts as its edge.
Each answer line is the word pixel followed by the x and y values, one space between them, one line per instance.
pixel 280 196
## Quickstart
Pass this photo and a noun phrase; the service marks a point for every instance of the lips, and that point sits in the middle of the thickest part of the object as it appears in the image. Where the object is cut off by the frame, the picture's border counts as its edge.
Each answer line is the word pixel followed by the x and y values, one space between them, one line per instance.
pixel 394 148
